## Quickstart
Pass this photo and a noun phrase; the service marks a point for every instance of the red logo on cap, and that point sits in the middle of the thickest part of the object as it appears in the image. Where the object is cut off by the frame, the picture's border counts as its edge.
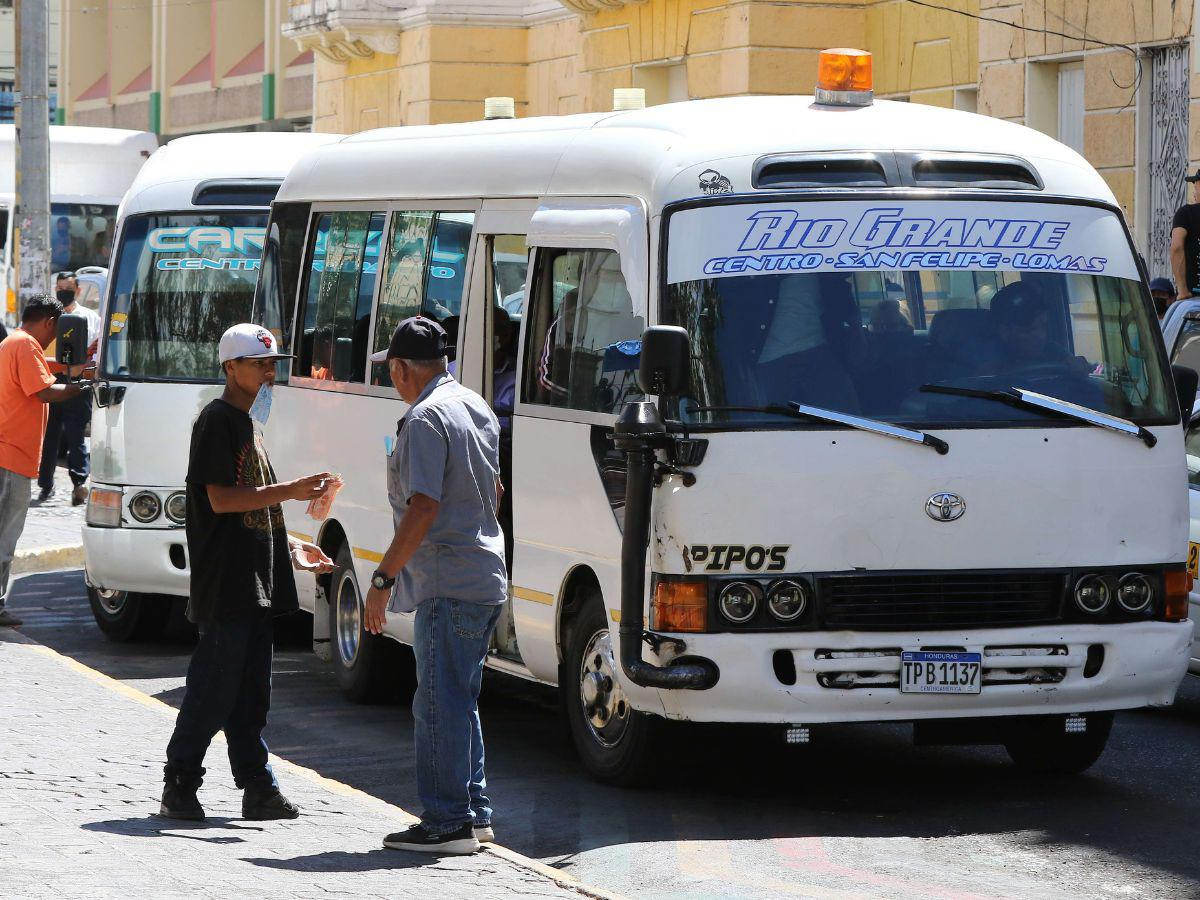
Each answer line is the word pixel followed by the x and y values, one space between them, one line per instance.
pixel 264 338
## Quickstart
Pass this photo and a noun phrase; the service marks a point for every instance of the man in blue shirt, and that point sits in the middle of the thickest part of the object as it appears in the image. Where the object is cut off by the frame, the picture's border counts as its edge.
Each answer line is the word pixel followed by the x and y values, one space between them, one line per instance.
pixel 446 562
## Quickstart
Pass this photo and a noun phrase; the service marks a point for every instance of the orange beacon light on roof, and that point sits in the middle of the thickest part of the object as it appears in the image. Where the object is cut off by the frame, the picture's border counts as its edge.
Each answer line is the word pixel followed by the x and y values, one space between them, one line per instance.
pixel 844 78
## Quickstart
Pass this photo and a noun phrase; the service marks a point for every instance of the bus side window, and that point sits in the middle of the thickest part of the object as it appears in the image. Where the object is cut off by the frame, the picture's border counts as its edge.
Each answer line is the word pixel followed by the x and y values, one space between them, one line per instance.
pixel 333 343
pixel 583 335
pixel 3 230
pixel 403 279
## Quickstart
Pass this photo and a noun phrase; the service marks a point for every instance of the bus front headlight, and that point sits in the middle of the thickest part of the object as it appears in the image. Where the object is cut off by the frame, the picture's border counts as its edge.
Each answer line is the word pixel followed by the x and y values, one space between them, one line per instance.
pixel 1134 593
pixel 177 508
pixel 145 507
pixel 104 507
pixel 1092 594
pixel 739 601
pixel 787 600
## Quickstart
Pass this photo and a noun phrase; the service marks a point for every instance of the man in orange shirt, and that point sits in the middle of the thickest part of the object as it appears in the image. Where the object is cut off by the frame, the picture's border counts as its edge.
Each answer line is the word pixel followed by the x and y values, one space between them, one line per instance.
pixel 26 386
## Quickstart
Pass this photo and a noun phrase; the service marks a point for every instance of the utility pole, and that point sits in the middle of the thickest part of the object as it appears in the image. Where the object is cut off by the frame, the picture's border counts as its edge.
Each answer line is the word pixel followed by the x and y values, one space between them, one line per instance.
pixel 32 223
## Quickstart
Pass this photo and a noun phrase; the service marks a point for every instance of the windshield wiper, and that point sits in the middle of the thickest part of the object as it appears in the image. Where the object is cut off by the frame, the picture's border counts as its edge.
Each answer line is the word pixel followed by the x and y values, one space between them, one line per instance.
pixel 1024 399
pixel 829 417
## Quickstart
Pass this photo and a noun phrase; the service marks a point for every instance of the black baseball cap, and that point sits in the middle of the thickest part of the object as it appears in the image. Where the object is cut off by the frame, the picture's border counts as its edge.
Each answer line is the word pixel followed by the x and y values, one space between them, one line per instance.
pixel 1194 177
pixel 415 338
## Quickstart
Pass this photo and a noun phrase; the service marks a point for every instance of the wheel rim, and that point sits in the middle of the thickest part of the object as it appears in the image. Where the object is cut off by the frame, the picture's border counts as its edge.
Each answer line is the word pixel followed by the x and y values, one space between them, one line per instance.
pixel 605 707
pixel 112 602
pixel 349 618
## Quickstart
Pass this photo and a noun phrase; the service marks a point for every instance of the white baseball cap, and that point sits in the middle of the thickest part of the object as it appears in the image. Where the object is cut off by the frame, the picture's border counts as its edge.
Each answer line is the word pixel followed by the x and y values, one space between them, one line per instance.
pixel 248 341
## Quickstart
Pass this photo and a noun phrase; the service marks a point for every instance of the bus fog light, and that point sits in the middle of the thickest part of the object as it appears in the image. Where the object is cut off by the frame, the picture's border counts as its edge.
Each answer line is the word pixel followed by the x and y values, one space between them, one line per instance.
pixel 177 507
pixel 787 600
pixel 1134 593
pixel 739 601
pixel 104 508
pixel 1092 594
pixel 145 507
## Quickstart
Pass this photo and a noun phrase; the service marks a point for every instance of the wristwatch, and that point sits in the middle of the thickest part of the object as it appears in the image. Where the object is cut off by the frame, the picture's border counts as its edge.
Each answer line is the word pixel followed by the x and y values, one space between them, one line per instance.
pixel 381 581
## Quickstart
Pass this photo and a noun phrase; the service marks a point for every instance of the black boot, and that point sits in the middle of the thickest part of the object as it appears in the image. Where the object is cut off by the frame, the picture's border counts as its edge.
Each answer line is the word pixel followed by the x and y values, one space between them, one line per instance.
pixel 179 795
pixel 261 802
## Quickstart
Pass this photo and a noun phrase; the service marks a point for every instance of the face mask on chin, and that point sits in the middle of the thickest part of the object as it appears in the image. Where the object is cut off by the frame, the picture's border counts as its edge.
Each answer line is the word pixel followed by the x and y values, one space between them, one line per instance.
pixel 260 410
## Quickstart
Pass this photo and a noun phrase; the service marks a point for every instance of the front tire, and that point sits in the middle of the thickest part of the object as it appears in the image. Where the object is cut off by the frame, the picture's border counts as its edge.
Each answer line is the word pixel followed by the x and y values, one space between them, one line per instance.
pixel 364 662
pixel 1041 744
pixel 125 617
pixel 616 743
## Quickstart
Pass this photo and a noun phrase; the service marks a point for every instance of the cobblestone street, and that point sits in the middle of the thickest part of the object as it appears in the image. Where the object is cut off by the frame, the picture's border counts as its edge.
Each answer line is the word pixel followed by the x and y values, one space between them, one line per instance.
pixel 80 774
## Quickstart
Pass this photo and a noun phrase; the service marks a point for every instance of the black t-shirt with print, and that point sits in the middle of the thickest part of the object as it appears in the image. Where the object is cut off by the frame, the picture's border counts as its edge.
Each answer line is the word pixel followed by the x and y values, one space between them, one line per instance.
pixel 240 561
pixel 1188 218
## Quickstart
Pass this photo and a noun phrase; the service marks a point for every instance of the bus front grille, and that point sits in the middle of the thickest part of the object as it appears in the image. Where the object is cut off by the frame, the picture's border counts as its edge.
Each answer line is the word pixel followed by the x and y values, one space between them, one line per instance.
pixel 940 600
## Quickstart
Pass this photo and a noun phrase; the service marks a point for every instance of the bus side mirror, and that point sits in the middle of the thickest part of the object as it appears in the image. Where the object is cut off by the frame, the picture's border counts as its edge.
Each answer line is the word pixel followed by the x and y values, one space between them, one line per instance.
pixel 1185 389
pixel 71 340
pixel 665 363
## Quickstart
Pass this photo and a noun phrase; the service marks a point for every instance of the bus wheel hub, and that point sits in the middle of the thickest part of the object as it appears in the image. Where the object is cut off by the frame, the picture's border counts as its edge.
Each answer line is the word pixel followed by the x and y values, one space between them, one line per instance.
pixel 600 693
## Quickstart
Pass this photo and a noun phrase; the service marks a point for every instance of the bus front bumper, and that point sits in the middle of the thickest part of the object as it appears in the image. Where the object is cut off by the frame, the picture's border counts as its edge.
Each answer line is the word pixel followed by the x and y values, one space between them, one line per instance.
pixel 854 676
pixel 138 560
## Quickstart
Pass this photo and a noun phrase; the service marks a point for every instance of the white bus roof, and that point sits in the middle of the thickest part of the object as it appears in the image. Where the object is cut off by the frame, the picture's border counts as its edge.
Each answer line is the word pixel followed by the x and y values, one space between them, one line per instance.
pixel 169 178
pixel 658 153
pixel 87 165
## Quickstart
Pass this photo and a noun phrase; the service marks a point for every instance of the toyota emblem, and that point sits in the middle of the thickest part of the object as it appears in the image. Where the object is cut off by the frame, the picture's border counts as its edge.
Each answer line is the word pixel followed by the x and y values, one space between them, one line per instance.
pixel 945 507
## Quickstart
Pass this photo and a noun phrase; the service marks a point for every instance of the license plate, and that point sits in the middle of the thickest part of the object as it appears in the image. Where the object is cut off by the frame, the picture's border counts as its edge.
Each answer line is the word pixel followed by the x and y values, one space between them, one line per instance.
pixel 1194 559
pixel 934 672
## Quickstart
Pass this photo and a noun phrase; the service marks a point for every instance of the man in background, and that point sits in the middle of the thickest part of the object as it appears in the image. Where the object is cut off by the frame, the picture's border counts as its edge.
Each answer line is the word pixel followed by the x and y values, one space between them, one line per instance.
pixel 26 386
pixel 1185 242
pixel 68 421
pixel 1163 293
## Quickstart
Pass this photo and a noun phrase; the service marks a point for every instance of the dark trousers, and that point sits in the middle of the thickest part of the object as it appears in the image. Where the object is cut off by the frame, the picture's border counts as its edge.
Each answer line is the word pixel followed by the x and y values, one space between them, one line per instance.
pixel 229 689
pixel 67 421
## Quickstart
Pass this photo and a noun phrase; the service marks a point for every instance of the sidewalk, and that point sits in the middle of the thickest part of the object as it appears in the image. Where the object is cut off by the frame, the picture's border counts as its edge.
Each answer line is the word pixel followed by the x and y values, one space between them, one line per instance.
pixel 52 538
pixel 80 775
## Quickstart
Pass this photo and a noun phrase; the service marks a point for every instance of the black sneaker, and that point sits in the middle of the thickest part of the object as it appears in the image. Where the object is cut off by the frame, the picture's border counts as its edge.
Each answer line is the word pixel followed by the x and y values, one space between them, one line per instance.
pixel 179 798
pixel 461 840
pixel 261 805
pixel 8 620
pixel 44 495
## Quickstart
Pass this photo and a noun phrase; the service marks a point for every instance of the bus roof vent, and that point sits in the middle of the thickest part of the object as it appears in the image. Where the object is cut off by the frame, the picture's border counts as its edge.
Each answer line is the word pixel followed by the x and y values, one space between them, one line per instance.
pixel 848 170
pixel 236 192
pixel 989 172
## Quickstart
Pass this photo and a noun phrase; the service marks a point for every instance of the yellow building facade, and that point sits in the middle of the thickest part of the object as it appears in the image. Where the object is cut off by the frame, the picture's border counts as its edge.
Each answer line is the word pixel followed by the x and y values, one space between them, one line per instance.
pixel 178 68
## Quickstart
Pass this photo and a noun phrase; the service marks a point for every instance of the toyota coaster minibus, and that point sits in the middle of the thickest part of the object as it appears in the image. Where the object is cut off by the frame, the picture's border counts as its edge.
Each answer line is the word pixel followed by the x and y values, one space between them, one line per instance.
pixel 827 410
pixel 188 244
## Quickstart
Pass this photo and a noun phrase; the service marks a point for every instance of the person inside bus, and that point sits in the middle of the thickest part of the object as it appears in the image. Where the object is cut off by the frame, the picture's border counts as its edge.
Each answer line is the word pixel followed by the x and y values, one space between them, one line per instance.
pixel 241 578
pixel 814 341
pixel 1021 319
pixel 60 243
pixel 443 487
pixel 322 365
pixel 504 366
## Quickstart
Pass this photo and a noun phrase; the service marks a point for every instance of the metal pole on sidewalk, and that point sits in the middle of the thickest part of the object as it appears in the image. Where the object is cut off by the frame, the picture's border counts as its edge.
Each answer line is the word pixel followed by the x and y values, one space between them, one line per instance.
pixel 32 222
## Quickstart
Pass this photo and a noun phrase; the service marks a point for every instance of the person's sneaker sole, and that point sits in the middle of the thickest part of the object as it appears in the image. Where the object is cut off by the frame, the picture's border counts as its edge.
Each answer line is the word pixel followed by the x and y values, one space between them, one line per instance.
pixel 164 813
pixel 461 846
pixel 270 816
pixel 485 835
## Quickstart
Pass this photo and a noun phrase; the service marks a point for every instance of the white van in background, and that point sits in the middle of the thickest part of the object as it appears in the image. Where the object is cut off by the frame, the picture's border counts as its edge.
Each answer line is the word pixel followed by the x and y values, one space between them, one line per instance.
pixel 90 171
pixel 190 234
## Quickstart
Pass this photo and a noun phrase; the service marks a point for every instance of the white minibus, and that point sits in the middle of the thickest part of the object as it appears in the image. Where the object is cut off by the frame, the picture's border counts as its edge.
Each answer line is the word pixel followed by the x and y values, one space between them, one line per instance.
pixel 189 241
pixel 826 411
pixel 90 171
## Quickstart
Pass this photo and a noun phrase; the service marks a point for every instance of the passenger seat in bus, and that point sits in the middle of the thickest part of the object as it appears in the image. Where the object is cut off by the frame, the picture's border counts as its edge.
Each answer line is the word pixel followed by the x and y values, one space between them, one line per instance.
pixel 961 344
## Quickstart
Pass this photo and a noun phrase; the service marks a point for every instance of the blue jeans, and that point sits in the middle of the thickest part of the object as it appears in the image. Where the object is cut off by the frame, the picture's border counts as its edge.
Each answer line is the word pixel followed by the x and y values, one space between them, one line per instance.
pixel 228 688
pixel 67 421
pixel 450 642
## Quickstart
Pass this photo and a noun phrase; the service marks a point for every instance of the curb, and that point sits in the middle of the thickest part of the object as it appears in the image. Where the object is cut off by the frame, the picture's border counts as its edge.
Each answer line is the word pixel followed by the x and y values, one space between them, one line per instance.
pixel 560 878
pixel 45 559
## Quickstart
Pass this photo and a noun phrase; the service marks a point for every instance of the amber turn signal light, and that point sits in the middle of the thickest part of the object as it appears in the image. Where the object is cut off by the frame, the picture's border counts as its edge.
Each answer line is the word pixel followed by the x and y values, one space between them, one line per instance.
pixel 679 605
pixel 844 69
pixel 1178 584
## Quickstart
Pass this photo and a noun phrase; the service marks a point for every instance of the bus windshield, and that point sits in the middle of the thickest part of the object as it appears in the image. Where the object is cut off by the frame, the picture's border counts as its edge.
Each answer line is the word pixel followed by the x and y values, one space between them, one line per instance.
pixel 856 307
pixel 80 235
pixel 181 281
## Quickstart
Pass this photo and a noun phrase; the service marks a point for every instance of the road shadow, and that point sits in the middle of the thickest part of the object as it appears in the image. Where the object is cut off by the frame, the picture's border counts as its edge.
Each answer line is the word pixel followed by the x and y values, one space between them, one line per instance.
pixel 349 861
pixel 151 826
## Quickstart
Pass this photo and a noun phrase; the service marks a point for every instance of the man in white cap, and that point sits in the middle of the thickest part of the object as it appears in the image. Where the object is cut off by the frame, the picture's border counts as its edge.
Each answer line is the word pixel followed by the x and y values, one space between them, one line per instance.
pixel 241 578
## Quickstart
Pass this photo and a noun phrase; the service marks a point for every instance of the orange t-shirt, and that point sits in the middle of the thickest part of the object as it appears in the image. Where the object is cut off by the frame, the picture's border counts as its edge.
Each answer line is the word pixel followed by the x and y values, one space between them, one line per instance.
pixel 23 375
